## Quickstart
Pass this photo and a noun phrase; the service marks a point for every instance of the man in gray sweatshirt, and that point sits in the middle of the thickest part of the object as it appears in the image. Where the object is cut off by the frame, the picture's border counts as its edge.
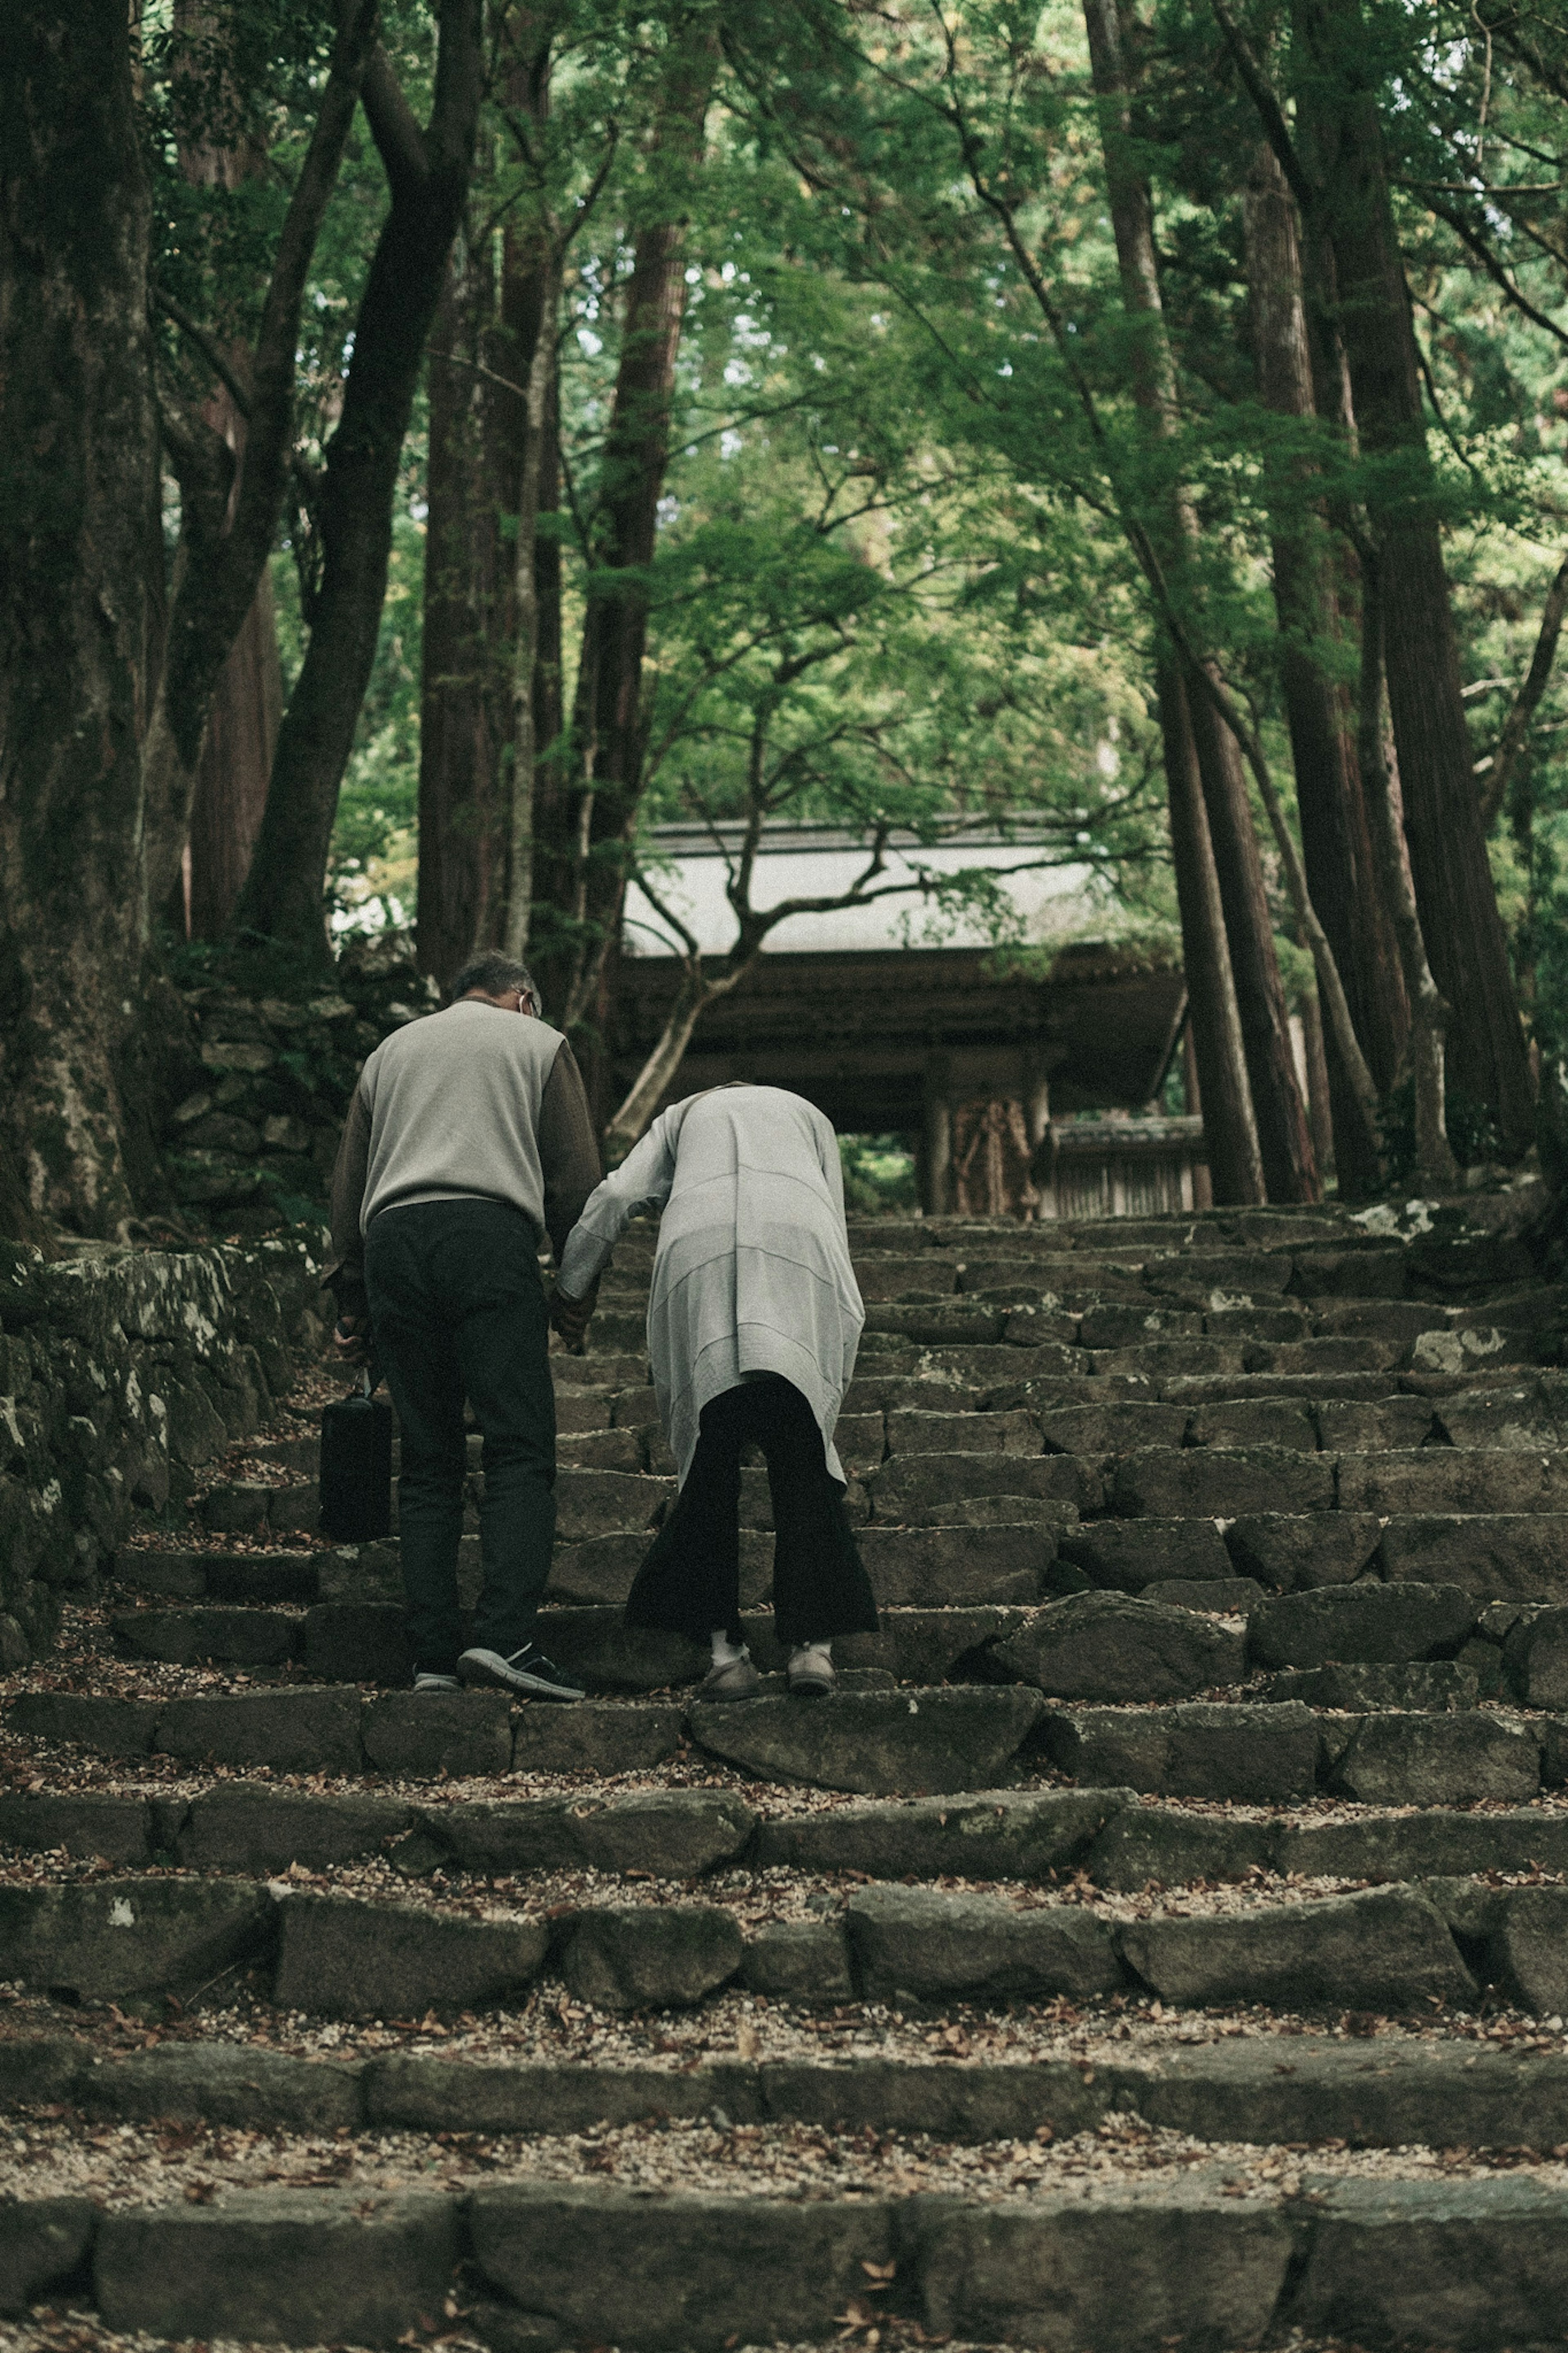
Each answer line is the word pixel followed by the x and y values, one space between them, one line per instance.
pixel 467 1141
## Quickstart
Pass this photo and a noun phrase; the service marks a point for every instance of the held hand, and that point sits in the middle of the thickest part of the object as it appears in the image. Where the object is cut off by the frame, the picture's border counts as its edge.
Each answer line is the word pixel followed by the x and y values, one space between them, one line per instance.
pixel 571 1317
pixel 349 1339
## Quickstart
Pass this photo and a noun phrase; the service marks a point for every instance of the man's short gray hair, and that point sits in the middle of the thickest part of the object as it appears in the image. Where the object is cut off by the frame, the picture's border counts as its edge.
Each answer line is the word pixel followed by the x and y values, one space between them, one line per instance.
pixel 494 974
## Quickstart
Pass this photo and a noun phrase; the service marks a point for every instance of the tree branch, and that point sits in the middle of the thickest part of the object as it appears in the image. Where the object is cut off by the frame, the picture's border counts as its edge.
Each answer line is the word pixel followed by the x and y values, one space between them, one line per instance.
pixel 207 344
pixel 1515 729
pixel 1494 269
pixel 1276 130
pixel 399 140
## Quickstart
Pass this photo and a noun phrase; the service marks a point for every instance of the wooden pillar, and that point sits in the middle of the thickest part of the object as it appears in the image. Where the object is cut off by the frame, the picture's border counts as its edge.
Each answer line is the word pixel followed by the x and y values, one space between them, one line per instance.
pixel 1037 1130
pixel 937 1171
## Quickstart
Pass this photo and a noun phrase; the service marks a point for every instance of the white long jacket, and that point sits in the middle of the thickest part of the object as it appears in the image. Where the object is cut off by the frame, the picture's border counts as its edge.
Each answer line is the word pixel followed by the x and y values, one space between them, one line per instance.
pixel 751 1273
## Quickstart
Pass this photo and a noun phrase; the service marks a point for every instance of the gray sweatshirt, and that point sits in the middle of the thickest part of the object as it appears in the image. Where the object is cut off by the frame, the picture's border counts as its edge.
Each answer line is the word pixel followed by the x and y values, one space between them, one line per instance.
pixel 476 1102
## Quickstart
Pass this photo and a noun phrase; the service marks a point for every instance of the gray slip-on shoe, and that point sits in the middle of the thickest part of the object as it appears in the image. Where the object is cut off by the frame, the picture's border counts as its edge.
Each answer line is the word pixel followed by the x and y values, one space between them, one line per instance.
pixel 739 1680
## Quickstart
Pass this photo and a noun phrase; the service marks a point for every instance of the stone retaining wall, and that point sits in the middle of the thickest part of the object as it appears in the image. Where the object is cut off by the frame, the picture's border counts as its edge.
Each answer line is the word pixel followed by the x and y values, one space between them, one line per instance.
pixel 122 1373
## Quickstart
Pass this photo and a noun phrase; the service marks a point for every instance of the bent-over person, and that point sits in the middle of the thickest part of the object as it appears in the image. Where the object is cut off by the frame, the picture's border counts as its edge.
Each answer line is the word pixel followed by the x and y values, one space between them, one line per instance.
pixel 468 1139
pixel 753 1319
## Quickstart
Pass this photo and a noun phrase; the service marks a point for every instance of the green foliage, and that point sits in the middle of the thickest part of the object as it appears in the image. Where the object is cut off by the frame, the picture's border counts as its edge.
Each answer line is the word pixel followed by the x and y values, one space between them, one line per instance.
pixel 879 1174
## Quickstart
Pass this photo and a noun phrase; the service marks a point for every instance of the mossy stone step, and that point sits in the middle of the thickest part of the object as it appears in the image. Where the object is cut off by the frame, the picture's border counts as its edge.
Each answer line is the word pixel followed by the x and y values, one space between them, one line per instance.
pixel 1391 2093
pixel 1120 2270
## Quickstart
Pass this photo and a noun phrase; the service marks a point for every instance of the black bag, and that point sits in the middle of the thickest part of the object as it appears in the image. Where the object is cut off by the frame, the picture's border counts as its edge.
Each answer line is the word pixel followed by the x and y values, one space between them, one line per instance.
pixel 356 1467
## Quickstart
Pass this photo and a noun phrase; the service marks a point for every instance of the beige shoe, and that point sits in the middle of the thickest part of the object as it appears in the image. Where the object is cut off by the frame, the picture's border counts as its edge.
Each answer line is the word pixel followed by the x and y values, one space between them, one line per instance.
pixel 811 1674
pixel 739 1680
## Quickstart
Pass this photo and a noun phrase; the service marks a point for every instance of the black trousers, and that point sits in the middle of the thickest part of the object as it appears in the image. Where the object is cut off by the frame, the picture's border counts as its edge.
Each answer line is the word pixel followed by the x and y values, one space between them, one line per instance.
pixel 457 1309
pixel 690 1581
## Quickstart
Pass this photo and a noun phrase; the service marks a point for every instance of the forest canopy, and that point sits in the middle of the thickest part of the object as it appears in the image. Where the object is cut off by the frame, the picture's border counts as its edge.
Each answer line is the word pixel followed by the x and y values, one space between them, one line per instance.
pixel 446 440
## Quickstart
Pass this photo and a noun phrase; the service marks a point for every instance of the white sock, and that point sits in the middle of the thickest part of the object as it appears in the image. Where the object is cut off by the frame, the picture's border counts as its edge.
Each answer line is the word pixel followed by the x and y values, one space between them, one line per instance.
pixel 812 1654
pixel 726 1652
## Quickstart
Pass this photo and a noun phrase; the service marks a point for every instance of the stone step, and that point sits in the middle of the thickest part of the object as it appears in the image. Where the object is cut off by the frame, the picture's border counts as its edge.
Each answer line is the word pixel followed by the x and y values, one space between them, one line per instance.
pixel 898 1740
pixel 1407 1949
pixel 1400 2091
pixel 1130 2264
pixel 1108 1837
pixel 874 1743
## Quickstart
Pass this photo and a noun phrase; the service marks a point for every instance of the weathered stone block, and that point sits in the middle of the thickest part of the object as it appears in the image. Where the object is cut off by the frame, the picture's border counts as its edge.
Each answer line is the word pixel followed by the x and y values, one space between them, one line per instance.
pixel 1108 1646
pixel 251 1638
pixel 1474 2263
pixel 799 1960
pixel 676 2274
pixel 930 1567
pixel 1123 2276
pixel 1223 1597
pixel 1366 1621
pixel 306 2267
pixel 1389 1950
pixel 997 1834
pixel 1531 1945
pixel 292 1731
pixel 1144 1845
pixel 228 2084
pixel 1433 1686
pixel 107 1728
pixel 118 1828
pixel 651 1956
pixel 1292 1551
pixel 1535 1656
pixel 1439 1760
pixel 906 1488
pixel 1255 1756
pixel 1125 1556
pixel 1513 1558
pixel 600 1503
pixel 419 1735
pixel 921 1944
pixel 103 1941
pixel 42 2242
pixel 1191 1481
pixel 876 1744
pixel 341 1958
pixel 233 1828
pixel 673 1833
pixel 605 1653
pixel 600 1736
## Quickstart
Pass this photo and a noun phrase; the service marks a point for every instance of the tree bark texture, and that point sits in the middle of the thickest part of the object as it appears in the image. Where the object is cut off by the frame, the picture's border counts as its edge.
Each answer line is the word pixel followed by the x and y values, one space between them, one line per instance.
pixel 1344 156
pixel 462 714
pixel 580 854
pixel 228 520
pixel 230 791
pixel 1230 1083
pixel 1214 1020
pixel 80 610
pixel 1336 835
pixel 428 173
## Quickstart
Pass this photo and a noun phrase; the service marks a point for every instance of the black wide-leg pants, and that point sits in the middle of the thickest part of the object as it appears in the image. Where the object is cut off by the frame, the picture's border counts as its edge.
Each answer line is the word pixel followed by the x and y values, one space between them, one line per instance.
pixel 457 1308
pixel 690 1581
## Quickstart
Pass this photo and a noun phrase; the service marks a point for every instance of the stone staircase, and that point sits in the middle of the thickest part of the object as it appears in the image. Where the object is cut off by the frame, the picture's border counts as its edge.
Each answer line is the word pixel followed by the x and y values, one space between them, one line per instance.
pixel 1162 1935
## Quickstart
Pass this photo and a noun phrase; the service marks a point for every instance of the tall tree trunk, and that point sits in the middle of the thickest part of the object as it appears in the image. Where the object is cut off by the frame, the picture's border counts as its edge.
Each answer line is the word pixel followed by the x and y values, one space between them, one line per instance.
pixel 1284 1131
pixel 228 520
pixel 1230 1083
pixel 580 862
pixel 1335 832
pixel 428 173
pixel 1214 1019
pixel 81 603
pixel 230 790
pixel 530 473
pixel 1341 137
pixel 462 730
